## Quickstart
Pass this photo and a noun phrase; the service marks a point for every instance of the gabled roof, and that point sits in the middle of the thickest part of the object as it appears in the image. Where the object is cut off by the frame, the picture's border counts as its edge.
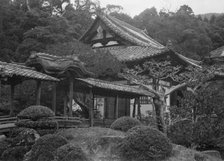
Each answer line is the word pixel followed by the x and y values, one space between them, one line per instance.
pixel 141 45
pixel 121 88
pixel 16 70
pixel 124 30
pixel 57 65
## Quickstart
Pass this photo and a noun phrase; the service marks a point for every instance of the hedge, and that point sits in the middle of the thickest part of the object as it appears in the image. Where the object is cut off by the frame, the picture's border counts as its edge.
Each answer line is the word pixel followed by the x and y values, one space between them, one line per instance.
pixel 41 124
pixel 124 123
pixel 145 143
pixel 45 147
pixel 35 112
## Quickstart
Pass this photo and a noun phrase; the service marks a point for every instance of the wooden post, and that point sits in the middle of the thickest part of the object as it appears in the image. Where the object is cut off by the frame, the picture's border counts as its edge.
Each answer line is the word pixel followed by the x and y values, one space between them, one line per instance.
pixel 54 97
pixel 0 90
pixel 116 107
pixel 139 109
pixel 71 85
pixel 65 105
pixel 38 92
pixel 91 115
pixel 134 108
pixel 12 100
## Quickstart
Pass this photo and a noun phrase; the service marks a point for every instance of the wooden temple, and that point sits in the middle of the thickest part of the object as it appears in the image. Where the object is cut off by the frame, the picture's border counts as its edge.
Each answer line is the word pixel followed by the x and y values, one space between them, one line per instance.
pixel 130 45
pixel 74 79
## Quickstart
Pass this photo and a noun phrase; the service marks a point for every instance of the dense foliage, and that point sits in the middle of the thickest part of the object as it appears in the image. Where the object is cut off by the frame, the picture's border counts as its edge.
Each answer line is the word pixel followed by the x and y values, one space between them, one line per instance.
pixel 45 147
pixel 35 112
pixel 181 132
pixel 145 143
pixel 70 152
pixel 41 124
pixel 125 123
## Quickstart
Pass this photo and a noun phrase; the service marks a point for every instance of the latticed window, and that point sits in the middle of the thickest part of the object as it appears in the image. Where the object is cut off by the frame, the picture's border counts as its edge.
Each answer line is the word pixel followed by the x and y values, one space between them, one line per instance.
pixel 145 100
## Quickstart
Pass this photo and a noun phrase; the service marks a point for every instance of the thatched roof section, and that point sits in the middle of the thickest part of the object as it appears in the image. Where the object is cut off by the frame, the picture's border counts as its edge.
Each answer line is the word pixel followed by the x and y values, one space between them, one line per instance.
pixel 111 86
pixel 17 71
pixel 57 66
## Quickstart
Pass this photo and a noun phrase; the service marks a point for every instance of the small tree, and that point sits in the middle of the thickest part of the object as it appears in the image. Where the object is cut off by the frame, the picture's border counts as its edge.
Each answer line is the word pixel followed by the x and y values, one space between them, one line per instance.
pixel 151 73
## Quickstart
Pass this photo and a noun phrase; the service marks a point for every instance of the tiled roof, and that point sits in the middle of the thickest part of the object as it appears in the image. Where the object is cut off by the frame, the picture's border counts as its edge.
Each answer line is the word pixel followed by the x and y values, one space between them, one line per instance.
pixel 12 69
pixel 58 65
pixel 116 87
pixel 130 33
pixel 132 53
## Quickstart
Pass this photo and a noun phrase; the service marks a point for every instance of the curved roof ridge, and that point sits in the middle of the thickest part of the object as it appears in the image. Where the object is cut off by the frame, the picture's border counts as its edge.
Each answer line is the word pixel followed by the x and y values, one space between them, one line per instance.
pixel 129 32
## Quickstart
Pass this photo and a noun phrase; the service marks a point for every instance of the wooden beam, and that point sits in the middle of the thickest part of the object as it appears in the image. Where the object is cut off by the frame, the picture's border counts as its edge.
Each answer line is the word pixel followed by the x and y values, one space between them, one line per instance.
pixel 12 89
pixel 54 97
pixel 38 92
pixel 134 108
pixel 71 85
pixel 116 107
pixel 91 114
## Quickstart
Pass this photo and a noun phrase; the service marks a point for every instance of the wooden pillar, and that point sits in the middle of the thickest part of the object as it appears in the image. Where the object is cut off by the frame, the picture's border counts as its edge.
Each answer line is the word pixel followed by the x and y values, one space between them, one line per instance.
pixel 71 85
pixel 134 108
pixel 139 109
pixel 65 104
pixel 54 97
pixel 116 107
pixel 12 89
pixel 38 92
pixel 91 114
pixel 0 90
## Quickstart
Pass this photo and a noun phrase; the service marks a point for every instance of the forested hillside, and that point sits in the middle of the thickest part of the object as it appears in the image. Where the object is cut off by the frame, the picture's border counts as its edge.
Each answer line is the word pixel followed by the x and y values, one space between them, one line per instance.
pixel 53 26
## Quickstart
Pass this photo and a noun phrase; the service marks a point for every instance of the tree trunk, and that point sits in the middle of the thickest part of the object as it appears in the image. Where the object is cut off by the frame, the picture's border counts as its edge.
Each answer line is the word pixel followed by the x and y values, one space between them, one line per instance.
pixel 159 114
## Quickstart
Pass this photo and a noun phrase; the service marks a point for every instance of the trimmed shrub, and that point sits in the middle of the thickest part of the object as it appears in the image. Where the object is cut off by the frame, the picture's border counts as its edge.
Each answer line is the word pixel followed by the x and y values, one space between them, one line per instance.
pixel 15 131
pixel 35 112
pixel 124 123
pixel 181 132
pixel 145 143
pixel 43 132
pixel 40 124
pixel 70 152
pixel 14 153
pixel 3 146
pixel 45 147
pixel 26 137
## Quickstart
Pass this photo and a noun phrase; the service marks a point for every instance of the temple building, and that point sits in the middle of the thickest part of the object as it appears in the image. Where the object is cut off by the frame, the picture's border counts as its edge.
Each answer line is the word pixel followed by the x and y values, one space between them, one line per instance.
pixel 131 46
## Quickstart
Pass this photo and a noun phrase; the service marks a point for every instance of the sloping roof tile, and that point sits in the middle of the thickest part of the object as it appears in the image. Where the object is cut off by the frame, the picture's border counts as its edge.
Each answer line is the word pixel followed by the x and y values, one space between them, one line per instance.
pixel 12 69
pixel 131 53
pixel 116 87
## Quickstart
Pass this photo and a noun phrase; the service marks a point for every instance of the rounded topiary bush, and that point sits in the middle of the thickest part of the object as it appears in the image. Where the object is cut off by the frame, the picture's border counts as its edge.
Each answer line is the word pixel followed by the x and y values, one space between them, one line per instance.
pixel 70 152
pixel 181 132
pixel 35 112
pixel 14 153
pixel 145 143
pixel 124 123
pixel 40 124
pixel 45 147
